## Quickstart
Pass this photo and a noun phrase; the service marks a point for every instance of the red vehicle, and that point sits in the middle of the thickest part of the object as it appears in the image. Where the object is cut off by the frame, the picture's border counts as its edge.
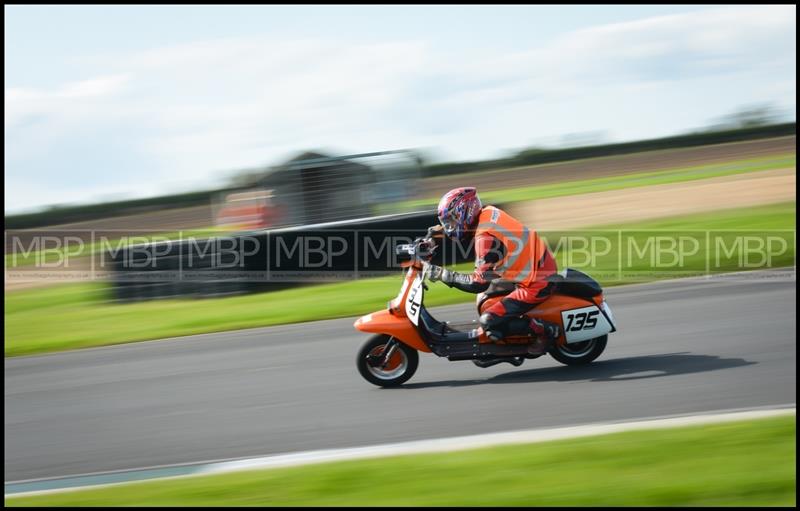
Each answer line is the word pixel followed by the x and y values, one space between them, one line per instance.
pixel 390 357
pixel 248 211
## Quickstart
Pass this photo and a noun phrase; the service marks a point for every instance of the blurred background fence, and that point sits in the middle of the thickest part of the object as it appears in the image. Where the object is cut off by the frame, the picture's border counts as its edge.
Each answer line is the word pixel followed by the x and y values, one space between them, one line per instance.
pixel 268 260
pixel 313 188
pixel 312 219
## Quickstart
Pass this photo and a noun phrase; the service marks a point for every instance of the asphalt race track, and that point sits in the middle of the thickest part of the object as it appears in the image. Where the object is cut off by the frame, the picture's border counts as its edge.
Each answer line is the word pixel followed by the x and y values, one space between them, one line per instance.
pixel 682 347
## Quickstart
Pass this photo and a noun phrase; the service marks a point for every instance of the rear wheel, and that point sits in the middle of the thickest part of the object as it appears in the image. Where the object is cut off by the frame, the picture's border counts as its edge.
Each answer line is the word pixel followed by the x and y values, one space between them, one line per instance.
pixel 579 353
pixel 373 366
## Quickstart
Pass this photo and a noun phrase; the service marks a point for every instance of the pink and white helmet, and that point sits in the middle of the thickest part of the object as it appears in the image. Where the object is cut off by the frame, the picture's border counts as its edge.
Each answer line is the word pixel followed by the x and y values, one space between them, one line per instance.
pixel 458 211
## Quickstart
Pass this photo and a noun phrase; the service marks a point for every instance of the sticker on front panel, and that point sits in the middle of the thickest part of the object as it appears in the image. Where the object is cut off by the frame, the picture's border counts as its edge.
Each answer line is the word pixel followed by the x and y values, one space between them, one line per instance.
pixel 414 302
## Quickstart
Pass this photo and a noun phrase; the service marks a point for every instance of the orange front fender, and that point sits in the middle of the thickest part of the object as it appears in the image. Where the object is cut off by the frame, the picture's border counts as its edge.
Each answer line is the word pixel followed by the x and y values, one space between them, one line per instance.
pixel 384 322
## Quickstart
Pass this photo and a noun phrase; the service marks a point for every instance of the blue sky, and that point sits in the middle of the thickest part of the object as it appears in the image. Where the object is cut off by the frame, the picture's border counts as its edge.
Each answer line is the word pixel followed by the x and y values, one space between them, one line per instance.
pixel 132 101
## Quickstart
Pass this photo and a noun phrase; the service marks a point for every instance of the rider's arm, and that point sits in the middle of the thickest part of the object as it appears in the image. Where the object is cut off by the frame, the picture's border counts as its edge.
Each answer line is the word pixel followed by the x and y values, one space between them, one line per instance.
pixel 488 251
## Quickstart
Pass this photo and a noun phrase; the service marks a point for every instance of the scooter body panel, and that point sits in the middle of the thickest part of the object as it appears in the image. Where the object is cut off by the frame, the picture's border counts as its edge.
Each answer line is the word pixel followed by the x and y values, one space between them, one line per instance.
pixel 552 310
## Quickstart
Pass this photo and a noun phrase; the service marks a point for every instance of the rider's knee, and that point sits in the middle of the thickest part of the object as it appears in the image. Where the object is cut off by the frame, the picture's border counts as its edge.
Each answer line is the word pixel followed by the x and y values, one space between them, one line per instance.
pixel 492 325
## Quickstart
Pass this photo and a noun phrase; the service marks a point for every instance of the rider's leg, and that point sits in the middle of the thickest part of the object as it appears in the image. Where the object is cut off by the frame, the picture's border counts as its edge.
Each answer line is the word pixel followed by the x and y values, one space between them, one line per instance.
pixel 540 291
pixel 494 319
pixel 536 295
pixel 520 301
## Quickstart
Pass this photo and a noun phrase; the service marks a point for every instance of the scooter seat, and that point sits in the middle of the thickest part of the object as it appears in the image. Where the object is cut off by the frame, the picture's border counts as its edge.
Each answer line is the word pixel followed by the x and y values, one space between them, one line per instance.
pixel 575 283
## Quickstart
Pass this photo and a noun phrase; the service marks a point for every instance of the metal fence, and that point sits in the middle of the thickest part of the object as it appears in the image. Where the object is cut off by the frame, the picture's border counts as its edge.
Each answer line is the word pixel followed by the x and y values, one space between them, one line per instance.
pixel 314 188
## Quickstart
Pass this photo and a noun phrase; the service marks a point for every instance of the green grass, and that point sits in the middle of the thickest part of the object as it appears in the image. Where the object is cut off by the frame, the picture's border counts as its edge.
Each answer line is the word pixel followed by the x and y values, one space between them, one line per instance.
pixel 71 316
pixel 746 463
pixel 78 315
pixel 678 175
pixel 716 233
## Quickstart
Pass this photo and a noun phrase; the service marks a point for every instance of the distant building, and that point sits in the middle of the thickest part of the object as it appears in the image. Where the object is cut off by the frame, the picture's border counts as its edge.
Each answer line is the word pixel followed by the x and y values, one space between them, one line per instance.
pixel 313 188
pixel 309 188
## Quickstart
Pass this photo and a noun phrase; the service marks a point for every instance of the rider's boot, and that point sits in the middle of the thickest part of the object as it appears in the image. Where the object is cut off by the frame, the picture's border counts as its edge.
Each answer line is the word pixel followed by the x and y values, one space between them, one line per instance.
pixel 546 333
pixel 490 324
pixel 545 329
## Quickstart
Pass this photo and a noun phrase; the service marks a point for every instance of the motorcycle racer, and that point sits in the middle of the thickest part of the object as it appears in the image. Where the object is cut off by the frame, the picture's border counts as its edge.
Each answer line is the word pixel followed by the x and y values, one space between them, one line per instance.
pixel 504 249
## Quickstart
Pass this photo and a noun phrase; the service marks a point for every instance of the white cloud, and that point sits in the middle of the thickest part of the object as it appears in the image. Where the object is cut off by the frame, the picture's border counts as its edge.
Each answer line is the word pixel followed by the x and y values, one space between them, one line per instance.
pixel 187 113
pixel 20 102
pixel 676 46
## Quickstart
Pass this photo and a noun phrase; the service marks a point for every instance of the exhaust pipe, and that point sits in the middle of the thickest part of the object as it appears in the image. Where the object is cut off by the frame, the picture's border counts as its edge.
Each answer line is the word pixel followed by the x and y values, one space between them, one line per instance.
pixel 488 362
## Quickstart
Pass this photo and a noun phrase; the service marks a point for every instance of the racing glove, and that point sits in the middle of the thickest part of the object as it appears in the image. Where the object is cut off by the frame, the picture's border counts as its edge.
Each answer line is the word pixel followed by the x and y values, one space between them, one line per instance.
pixel 435 273
pixel 445 276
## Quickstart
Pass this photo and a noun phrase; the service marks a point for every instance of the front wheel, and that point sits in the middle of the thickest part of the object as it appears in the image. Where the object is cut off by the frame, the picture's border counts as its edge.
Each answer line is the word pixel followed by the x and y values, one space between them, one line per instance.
pixel 579 353
pixel 374 367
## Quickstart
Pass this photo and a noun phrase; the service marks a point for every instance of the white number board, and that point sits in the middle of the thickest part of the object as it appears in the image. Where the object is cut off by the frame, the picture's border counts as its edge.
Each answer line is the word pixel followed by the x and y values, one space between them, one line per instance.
pixel 584 324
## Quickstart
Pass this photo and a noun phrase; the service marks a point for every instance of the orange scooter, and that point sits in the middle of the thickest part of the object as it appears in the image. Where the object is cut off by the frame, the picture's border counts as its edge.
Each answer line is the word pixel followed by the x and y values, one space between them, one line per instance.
pixel 390 357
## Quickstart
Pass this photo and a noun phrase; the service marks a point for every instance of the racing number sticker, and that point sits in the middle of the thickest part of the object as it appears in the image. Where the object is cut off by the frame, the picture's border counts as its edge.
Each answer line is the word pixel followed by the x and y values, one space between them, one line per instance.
pixel 581 320
pixel 415 300
pixel 584 323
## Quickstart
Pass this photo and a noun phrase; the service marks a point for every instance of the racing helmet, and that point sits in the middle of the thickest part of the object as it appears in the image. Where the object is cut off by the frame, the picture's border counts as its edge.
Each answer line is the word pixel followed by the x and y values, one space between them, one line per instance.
pixel 458 211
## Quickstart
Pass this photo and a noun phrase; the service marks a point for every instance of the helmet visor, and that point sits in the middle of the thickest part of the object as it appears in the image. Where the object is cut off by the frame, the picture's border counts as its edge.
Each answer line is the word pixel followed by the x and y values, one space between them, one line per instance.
pixel 449 224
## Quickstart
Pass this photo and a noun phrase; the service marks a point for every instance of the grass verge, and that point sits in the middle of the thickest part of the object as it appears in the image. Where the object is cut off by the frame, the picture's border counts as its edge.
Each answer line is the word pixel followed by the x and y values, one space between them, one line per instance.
pixel 72 316
pixel 746 463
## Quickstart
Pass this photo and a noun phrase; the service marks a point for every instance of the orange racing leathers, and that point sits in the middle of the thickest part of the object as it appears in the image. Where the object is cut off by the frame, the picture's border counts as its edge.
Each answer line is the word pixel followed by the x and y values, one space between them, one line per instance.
pixel 505 249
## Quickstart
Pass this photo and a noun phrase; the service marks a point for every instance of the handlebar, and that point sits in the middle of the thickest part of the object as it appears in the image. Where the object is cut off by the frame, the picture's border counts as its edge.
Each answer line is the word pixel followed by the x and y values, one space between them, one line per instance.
pixel 422 249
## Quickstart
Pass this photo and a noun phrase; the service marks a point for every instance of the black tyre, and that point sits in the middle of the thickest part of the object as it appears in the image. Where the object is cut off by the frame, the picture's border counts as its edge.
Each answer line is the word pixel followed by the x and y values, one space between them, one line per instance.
pixel 579 353
pixel 402 364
